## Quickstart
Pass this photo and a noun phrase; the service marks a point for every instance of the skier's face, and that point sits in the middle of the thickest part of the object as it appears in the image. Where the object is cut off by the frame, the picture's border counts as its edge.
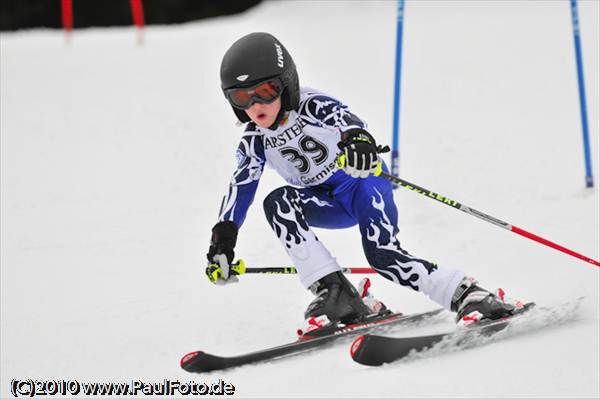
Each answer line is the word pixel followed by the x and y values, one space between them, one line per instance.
pixel 264 115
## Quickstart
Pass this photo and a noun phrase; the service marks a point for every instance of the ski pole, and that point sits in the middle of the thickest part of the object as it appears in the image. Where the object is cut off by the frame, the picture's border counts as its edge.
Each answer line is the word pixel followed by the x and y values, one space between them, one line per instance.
pixel 483 216
pixel 293 270
pixel 239 268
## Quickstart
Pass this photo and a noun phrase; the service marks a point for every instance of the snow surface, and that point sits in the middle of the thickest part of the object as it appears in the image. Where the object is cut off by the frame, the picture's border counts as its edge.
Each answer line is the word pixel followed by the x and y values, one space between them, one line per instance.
pixel 115 158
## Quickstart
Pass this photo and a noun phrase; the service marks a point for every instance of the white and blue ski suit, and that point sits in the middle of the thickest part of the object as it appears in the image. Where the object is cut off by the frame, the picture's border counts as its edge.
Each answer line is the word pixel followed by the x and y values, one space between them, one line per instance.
pixel 303 150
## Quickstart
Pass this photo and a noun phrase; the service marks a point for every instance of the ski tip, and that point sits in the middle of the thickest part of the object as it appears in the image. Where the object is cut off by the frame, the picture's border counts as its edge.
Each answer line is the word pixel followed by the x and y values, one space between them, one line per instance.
pixel 356 345
pixel 187 359
pixel 367 350
pixel 200 362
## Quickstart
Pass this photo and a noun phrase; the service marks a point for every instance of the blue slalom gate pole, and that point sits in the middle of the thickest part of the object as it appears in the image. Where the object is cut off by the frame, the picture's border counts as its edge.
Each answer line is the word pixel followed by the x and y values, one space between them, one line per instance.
pixel 397 86
pixel 589 179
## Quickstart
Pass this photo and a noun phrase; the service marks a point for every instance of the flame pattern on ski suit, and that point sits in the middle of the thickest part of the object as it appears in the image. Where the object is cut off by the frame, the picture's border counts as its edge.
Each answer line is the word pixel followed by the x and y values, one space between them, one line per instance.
pixel 369 203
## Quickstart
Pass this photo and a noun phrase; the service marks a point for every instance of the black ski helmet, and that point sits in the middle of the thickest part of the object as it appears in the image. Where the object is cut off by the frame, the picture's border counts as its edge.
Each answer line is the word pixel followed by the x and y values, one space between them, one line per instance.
pixel 257 57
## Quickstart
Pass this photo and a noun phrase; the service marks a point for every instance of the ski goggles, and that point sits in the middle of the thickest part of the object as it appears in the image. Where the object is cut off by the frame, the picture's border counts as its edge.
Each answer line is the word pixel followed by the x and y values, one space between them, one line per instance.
pixel 264 92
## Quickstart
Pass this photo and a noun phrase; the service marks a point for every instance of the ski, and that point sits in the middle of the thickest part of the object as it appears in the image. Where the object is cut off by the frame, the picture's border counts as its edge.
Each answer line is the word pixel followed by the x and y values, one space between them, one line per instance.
pixel 375 350
pixel 199 361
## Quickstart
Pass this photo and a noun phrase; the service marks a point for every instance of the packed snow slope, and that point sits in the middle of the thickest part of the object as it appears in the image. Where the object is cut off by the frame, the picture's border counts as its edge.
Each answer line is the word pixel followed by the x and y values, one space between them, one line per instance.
pixel 115 158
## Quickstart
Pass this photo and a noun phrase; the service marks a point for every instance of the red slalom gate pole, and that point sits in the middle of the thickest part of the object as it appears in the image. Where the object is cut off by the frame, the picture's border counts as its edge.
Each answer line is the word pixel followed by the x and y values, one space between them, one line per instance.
pixel 137 12
pixel 67 17
pixel 487 218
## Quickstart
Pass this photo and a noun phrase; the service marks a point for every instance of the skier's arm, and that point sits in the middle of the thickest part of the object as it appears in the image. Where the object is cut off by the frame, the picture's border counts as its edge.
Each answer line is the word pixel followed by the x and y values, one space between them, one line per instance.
pixel 244 182
pixel 234 207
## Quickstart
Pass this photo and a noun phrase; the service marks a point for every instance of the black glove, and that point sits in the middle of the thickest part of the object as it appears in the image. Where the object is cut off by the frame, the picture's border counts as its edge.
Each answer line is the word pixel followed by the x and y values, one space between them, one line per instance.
pixel 220 253
pixel 222 242
pixel 359 153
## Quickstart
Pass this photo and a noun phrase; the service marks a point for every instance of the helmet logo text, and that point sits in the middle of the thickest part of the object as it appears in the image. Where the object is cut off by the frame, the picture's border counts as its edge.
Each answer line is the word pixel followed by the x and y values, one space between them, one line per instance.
pixel 279 55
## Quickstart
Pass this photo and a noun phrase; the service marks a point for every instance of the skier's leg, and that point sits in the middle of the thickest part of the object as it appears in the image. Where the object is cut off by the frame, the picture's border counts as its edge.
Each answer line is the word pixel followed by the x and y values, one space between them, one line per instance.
pixel 373 204
pixel 377 213
pixel 290 211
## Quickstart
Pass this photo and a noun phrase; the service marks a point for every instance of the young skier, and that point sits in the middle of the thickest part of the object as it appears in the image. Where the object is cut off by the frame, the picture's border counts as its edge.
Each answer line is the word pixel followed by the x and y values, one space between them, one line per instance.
pixel 331 163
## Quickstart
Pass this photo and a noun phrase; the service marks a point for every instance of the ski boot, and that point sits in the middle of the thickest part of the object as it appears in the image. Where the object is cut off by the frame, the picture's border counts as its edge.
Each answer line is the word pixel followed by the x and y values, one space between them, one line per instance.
pixel 337 299
pixel 473 303
pixel 318 325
